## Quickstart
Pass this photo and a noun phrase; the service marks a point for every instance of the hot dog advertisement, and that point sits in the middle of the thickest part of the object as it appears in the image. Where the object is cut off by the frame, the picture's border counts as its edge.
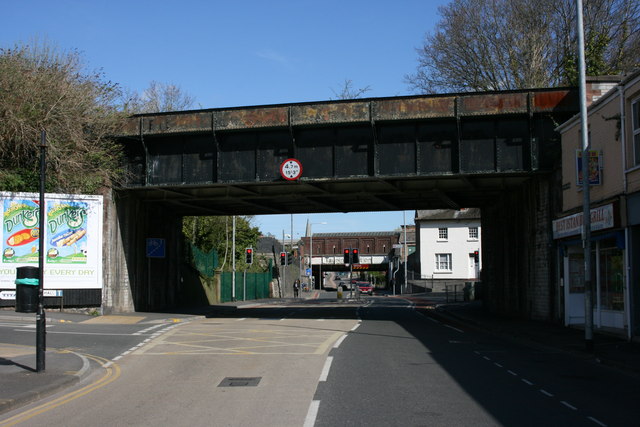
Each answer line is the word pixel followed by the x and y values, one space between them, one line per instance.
pixel 67 232
pixel 72 235
pixel 20 231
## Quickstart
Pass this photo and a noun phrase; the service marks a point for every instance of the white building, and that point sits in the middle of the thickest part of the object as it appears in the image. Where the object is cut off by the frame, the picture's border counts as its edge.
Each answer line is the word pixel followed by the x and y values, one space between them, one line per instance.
pixel 448 244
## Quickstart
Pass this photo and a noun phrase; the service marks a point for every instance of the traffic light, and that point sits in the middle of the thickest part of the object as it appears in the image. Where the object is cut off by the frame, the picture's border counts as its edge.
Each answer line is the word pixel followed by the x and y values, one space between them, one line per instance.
pixel 347 256
pixel 290 258
pixel 248 255
pixel 355 259
pixel 283 258
pixel 476 256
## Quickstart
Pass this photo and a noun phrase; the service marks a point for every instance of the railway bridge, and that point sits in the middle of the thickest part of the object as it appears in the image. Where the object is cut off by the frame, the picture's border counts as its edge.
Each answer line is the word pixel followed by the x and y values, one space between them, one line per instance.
pixel 496 151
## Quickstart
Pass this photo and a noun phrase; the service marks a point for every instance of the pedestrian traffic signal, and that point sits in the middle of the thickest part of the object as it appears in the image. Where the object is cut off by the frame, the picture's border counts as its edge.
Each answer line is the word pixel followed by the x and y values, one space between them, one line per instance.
pixel 249 255
pixel 355 258
pixel 283 258
pixel 347 256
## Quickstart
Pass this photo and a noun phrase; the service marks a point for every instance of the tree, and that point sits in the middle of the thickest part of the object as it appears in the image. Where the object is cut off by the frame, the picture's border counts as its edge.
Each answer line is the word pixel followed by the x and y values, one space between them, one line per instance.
pixel 347 91
pixel 158 97
pixel 481 45
pixel 215 232
pixel 42 88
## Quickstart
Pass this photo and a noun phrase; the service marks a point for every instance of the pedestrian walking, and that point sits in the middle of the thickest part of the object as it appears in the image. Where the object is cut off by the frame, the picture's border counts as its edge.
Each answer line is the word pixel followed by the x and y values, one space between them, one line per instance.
pixel 296 288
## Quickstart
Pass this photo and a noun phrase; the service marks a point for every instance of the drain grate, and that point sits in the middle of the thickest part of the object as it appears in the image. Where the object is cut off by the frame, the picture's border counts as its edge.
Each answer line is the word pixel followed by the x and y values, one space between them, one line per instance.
pixel 240 382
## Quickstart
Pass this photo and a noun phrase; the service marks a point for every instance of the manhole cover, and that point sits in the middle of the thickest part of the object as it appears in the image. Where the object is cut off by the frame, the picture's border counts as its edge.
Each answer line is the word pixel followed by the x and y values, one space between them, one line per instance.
pixel 240 382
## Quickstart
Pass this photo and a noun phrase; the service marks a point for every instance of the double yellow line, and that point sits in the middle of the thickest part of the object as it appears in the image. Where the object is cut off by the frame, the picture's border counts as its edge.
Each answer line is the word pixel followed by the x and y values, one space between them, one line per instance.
pixel 112 373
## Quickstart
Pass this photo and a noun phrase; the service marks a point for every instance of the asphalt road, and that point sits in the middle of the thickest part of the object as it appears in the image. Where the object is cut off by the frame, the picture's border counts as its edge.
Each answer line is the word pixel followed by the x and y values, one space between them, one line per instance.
pixel 379 362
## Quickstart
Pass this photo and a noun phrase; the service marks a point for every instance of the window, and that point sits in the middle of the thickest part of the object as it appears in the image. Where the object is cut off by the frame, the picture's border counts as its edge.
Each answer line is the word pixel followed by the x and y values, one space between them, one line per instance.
pixel 473 233
pixel 443 262
pixel 635 107
pixel 443 233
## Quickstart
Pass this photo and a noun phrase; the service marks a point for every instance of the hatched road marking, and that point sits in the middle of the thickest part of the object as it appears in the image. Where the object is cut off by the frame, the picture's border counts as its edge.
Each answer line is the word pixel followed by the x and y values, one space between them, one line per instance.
pixel 243 338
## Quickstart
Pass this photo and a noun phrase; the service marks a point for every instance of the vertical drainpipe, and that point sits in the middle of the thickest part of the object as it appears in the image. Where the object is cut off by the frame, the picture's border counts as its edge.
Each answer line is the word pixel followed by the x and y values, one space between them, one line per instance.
pixel 623 143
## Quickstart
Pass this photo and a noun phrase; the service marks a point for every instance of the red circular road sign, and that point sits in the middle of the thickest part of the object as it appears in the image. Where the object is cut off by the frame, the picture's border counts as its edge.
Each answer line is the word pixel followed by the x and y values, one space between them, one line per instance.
pixel 291 169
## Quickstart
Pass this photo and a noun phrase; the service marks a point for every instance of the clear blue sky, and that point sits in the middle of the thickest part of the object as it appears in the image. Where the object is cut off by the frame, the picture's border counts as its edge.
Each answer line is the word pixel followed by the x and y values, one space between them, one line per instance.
pixel 240 53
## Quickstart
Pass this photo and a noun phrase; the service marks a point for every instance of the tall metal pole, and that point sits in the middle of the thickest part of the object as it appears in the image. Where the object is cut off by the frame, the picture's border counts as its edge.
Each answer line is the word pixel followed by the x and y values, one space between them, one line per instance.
pixel 406 258
pixel 586 209
pixel 284 267
pixel 233 261
pixel 311 286
pixel 40 316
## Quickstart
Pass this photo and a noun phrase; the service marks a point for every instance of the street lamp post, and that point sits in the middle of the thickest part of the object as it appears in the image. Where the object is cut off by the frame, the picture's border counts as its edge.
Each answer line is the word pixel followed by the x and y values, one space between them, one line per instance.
pixel 311 250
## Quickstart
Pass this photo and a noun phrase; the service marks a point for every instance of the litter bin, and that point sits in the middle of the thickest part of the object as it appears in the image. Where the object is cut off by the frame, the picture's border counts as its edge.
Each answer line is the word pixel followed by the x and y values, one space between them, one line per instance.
pixel 27 289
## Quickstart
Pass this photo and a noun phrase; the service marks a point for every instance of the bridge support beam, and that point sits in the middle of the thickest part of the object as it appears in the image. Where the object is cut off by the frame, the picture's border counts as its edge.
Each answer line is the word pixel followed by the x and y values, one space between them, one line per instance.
pixel 517 252
pixel 134 281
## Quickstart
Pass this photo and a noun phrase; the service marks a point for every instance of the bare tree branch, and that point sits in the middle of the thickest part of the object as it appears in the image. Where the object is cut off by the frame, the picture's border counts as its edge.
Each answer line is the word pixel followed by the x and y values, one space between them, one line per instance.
pixel 513 44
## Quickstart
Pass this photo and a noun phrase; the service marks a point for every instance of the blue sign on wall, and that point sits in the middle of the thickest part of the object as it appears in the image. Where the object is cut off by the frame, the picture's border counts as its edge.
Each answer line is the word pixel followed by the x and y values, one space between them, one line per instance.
pixel 156 247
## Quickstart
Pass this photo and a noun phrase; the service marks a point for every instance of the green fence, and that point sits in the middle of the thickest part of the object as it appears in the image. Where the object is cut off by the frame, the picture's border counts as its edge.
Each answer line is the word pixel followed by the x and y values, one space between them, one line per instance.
pixel 249 286
pixel 205 262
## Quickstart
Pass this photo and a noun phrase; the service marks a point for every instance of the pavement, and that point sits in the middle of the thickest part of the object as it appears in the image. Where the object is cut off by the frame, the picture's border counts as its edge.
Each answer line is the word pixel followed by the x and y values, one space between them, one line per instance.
pixel 20 383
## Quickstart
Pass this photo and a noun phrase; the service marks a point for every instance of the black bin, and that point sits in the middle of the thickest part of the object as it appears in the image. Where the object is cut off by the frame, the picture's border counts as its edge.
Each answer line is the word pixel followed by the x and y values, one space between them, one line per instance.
pixel 27 289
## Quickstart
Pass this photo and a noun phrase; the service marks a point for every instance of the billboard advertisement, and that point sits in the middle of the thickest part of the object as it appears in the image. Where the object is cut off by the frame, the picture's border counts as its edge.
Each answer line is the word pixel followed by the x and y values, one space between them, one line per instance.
pixel 72 233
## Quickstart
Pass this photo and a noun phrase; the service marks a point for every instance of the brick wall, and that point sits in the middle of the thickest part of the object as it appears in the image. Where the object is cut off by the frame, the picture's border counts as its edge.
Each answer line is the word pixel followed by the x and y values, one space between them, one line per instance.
pixel 518 254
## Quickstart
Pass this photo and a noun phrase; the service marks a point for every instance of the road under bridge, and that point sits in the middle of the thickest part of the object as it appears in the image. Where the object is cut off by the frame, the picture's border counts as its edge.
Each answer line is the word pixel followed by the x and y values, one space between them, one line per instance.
pixel 497 151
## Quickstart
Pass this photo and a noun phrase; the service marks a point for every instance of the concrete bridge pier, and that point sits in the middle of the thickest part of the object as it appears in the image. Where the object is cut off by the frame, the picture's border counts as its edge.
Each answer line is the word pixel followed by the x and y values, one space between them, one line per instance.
pixel 138 277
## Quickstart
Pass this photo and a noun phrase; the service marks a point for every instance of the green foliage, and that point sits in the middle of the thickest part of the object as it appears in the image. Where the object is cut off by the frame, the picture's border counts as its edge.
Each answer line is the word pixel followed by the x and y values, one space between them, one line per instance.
pixel 215 233
pixel 44 89
pixel 595 50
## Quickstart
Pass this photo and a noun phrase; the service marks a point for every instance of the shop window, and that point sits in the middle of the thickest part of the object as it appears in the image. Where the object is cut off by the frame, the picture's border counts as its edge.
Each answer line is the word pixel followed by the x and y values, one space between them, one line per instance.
pixel 611 279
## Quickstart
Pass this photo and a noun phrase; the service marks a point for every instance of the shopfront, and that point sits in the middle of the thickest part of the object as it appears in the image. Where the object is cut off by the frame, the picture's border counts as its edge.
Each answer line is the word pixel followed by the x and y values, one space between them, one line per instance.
pixel 607 267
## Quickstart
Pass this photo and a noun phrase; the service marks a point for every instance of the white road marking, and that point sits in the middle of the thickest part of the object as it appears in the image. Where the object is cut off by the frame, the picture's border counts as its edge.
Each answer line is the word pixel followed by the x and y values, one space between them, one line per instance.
pixel 312 414
pixel 326 368
pixel 342 338
pixel 144 331
pixel 597 421
pixel 546 393
pixel 568 405
pixel 513 373
pixel 498 365
pixel 355 327
pixel 455 329
pixel 527 382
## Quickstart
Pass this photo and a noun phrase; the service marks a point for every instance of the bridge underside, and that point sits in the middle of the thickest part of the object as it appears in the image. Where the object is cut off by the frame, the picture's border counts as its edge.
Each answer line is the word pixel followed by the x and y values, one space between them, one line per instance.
pixel 495 151
pixel 372 155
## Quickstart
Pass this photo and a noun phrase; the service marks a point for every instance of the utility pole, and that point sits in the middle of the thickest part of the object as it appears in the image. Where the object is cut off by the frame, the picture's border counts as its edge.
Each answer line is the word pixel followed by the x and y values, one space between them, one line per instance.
pixel 586 208
pixel 406 257
pixel 41 343
pixel 284 267
pixel 233 261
